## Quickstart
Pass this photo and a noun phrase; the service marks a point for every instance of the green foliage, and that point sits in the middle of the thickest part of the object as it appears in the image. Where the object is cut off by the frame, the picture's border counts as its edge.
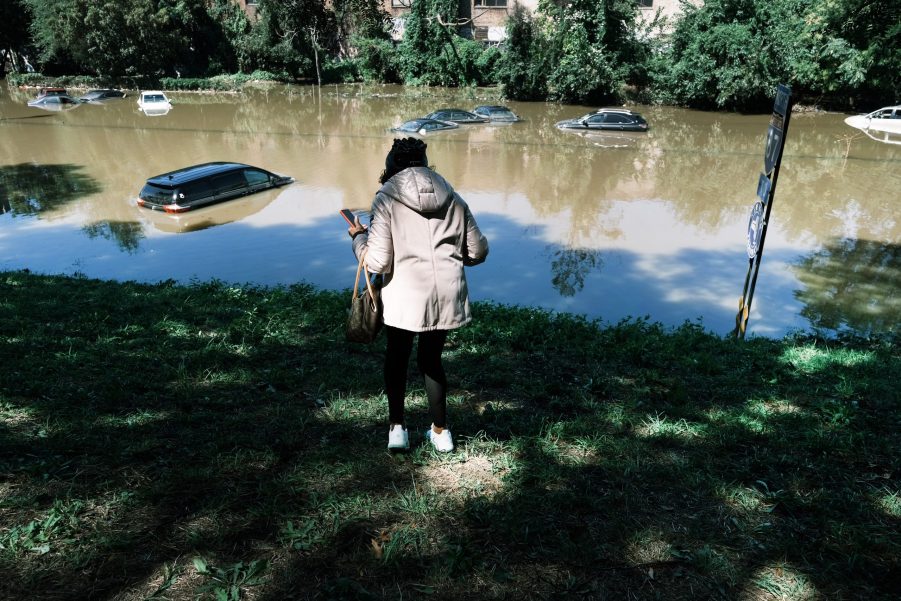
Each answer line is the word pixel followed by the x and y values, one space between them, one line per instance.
pixel 359 20
pixel 521 68
pixel 433 54
pixel 134 37
pixel 722 54
pixel 289 35
pixel 732 53
pixel 41 535
pixel 853 47
pixel 591 47
pixel 219 82
pixel 729 53
pixel 14 25
pixel 376 60
pixel 227 583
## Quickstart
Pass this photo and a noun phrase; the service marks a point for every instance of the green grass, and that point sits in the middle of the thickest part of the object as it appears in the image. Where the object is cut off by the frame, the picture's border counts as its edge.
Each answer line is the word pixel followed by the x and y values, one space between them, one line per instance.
pixel 222 442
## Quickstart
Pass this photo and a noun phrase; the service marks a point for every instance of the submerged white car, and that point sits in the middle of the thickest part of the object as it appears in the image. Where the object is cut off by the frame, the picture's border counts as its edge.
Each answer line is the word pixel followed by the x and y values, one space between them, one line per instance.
pixel 887 119
pixel 153 100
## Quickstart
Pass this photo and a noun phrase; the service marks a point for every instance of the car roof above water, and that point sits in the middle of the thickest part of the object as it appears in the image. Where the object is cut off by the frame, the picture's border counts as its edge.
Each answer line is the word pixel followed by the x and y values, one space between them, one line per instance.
pixel 195 172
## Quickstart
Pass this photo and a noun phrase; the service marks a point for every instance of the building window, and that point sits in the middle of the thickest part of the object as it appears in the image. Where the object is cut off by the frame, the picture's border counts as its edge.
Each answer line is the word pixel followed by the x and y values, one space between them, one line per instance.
pixel 490 3
pixel 401 3
pixel 252 2
pixel 645 3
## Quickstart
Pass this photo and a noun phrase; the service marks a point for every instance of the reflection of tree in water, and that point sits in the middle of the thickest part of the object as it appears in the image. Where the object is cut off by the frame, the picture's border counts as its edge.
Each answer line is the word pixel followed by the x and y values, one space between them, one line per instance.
pixel 28 189
pixel 570 266
pixel 852 285
pixel 127 234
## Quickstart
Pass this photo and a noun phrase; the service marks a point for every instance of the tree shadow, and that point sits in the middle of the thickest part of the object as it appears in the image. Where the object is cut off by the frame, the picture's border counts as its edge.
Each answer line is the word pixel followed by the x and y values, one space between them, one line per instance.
pixel 31 189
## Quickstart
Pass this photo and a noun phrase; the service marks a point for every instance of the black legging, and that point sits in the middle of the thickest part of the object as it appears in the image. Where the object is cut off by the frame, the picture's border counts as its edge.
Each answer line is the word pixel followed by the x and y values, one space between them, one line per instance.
pixel 428 359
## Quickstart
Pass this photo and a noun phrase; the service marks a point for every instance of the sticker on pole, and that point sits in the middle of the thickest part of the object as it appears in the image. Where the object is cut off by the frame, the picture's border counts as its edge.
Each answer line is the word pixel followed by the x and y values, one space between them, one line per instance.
pixel 773 146
pixel 755 229
pixel 763 188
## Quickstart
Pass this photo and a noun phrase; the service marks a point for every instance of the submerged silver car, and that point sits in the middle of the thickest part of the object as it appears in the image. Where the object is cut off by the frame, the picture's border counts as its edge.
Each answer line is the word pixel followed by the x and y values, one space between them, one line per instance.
pixel 54 102
pixel 496 113
pixel 608 119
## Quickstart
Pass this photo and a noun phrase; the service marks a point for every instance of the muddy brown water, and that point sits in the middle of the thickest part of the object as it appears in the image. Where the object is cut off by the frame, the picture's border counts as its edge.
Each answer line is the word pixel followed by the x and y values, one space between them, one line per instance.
pixel 611 226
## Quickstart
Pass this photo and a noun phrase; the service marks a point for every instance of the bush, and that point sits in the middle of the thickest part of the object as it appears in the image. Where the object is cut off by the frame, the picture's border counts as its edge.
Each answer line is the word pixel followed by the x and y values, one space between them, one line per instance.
pixel 340 71
pixel 376 60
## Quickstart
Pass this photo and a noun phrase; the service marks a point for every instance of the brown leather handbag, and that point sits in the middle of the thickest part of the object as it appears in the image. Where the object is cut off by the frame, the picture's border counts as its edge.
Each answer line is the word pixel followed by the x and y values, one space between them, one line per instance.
pixel 364 320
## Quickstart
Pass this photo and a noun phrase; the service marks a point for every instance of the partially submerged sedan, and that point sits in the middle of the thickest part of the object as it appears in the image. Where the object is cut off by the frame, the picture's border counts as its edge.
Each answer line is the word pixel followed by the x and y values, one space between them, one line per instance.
pixel 496 113
pixel 424 126
pixel 608 119
pixel 456 116
pixel 54 102
pixel 102 95
pixel 209 183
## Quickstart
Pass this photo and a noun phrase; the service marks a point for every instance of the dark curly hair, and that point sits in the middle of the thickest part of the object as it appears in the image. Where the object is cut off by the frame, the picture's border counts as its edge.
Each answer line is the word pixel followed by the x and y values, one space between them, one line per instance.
pixel 405 152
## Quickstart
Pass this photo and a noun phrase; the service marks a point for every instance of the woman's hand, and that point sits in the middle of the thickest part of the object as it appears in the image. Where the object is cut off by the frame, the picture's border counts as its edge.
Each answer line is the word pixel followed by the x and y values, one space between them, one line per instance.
pixel 356 228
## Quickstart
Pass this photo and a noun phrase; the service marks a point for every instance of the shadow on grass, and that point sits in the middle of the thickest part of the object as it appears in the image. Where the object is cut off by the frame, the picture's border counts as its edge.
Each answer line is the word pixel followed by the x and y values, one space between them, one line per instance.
pixel 145 426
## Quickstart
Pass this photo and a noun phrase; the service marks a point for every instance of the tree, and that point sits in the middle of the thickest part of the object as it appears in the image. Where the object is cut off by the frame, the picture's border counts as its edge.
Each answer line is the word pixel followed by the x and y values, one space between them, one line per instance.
pixel 136 37
pixel 854 48
pixel 731 53
pixel 290 34
pixel 592 45
pixel 521 69
pixel 14 40
pixel 359 20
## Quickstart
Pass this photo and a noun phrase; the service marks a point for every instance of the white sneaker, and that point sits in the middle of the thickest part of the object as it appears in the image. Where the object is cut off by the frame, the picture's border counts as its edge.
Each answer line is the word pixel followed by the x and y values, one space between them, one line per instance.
pixel 398 437
pixel 443 442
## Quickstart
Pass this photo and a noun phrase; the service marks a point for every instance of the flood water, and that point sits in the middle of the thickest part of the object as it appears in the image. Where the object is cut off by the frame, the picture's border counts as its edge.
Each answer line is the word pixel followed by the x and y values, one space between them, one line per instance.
pixel 610 226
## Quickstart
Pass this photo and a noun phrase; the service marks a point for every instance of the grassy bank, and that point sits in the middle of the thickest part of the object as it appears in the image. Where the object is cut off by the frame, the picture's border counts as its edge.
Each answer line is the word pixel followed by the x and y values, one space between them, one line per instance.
pixel 222 442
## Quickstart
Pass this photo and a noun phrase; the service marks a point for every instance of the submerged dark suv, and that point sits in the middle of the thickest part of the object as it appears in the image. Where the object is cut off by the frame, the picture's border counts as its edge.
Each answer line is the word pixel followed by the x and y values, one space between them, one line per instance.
pixel 200 185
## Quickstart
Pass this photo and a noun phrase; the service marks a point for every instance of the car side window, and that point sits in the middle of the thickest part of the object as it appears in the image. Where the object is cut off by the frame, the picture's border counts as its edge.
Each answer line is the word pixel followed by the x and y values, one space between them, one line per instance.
pixel 596 119
pixel 228 182
pixel 614 118
pixel 255 177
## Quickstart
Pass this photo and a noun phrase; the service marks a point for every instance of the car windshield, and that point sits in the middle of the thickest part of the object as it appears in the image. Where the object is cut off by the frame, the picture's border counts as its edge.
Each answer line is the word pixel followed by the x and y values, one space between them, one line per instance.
pixel 154 98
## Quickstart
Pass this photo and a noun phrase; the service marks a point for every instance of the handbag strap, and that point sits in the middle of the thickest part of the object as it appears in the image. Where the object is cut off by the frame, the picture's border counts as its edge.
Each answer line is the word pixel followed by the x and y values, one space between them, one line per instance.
pixel 362 268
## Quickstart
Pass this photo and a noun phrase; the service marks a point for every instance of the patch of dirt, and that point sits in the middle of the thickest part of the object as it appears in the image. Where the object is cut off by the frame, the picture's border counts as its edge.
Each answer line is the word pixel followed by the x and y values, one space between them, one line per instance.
pixel 475 476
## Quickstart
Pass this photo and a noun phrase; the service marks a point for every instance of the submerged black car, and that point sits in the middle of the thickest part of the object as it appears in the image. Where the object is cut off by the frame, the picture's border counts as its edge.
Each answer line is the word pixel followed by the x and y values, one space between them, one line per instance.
pixel 456 116
pixel 424 126
pixel 102 95
pixel 607 119
pixel 201 185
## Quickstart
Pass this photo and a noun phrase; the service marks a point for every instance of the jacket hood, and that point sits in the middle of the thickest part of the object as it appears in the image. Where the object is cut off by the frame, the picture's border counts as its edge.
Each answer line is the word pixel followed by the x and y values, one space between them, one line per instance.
pixel 420 189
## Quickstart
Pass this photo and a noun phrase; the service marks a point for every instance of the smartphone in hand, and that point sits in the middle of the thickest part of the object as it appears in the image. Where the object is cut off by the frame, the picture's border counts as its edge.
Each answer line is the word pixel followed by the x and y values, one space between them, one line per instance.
pixel 348 216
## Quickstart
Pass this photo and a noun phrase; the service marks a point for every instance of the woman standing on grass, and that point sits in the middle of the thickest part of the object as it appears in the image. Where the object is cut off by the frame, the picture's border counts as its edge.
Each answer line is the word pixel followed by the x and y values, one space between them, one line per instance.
pixel 421 234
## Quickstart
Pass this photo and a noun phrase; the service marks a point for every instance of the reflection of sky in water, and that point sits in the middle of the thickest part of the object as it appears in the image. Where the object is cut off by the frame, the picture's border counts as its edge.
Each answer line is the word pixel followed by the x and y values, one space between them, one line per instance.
pixel 623 278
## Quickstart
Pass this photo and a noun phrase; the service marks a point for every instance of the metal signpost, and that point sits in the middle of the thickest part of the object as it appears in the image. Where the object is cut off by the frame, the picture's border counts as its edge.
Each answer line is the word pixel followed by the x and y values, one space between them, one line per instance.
pixel 760 212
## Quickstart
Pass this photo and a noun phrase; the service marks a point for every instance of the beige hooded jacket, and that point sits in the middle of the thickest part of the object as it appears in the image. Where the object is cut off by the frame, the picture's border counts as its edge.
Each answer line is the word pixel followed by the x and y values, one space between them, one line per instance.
pixel 420 236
